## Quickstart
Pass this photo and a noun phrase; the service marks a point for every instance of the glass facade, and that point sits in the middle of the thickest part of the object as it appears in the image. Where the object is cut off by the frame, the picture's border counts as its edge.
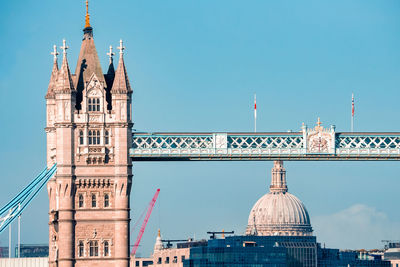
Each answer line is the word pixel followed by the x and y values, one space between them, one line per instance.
pixel 256 251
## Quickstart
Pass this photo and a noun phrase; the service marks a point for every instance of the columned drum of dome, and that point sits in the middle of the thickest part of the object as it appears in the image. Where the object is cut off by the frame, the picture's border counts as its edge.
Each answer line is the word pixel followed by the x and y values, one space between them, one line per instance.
pixel 278 212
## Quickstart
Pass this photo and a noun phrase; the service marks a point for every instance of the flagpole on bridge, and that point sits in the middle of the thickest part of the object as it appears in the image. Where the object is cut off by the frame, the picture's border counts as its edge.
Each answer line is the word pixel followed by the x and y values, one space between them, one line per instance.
pixel 255 113
pixel 352 112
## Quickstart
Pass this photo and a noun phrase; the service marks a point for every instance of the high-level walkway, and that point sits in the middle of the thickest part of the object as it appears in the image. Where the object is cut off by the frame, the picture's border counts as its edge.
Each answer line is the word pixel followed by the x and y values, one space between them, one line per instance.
pixel 308 144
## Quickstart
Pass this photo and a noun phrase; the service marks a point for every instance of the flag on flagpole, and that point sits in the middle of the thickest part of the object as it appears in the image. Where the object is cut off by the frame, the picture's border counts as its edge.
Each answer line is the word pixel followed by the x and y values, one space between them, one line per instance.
pixel 352 112
pixel 255 113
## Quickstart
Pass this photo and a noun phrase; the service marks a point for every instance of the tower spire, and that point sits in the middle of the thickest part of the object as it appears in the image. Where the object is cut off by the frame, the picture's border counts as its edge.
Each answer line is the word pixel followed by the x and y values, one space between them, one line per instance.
pixel 278 181
pixel 64 79
pixel 87 17
pixel 121 82
pixel 111 54
pixel 54 73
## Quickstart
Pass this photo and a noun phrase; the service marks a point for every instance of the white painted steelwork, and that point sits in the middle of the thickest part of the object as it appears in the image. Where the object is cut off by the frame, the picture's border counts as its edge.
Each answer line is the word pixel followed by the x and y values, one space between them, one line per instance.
pixel 308 144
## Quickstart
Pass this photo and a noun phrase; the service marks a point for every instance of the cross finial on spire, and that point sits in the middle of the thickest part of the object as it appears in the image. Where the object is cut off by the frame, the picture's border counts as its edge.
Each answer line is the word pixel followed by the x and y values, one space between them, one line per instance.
pixel 87 17
pixel 64 48
pixel 55 53
pixel 111 54
pixel 121 48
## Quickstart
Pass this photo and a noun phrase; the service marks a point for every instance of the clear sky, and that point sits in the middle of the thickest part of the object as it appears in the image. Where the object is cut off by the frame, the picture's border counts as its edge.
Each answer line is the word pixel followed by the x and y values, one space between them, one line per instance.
pixel 195 66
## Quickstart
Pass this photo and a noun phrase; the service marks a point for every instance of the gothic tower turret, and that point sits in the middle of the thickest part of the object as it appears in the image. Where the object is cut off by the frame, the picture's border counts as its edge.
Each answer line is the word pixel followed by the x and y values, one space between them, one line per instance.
pixel 89 131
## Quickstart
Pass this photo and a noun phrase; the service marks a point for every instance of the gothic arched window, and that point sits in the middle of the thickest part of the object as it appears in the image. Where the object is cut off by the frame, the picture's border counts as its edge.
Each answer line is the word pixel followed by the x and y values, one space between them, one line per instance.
pixel 81 249
pixel 94 137
pixel 106 200
pixel 94 202
pixel 93 248
pixel 90 137
pixel 107 137
pixel 97 137
pixel 80 201
pixel 93 104
pixel 81 137
pixel 106 249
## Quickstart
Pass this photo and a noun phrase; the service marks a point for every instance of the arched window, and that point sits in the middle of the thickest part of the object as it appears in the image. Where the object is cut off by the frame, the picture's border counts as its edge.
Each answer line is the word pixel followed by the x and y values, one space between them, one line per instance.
pixel 90 137
pixel 97 138
pixel 81 249
pixel 106 200
pixel 94 202
pixel 94 104
pixel 93 248
pixel 106 249
pixel 94 137
pixel 107 137
pixel 80 201
pixel 81 137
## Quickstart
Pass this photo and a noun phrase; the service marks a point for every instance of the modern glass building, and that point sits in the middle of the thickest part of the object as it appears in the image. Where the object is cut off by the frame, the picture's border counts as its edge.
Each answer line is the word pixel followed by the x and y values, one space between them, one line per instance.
pixel 252 251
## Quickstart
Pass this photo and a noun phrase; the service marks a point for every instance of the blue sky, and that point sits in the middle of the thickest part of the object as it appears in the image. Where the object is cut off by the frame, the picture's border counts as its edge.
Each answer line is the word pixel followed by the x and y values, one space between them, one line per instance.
pixel 195 66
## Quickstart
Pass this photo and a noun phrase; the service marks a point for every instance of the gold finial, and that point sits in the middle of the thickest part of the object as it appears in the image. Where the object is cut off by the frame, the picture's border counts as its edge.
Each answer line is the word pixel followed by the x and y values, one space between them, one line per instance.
pixel 319 127
pixel 319 122
pixel 87 17
pixel 223 234
pixel 159 233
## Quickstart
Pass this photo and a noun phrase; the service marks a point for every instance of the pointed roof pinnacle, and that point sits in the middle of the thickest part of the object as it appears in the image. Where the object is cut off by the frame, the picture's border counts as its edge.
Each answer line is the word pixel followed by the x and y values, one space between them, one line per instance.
pixel 64 48
pixel 54 73
pixel 121 81
pixel 121 48
pixel 111 54
pixel 55 53
pixel 64 79
pixel 278 181
pixel 87 17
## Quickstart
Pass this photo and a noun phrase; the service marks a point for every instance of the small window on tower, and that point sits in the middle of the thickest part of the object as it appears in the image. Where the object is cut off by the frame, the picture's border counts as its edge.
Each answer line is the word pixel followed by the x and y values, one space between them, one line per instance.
pixel 81 249
pixel 93 104
pixel 94 248
pixel 107 137
pixel 90 137
pixel 94 202
pixel 106 200
pixel 106 249
pixel 80 201
pixel 81 137
pixel 97 138
pixel 94 137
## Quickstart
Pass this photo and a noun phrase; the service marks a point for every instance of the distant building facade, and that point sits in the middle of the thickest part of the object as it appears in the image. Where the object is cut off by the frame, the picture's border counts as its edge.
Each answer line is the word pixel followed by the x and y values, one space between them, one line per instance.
pixel 392 253
pixel 32 251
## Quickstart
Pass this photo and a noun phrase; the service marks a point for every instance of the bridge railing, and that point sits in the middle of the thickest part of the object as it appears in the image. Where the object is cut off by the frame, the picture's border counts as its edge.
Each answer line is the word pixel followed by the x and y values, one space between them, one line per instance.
pixel 312 144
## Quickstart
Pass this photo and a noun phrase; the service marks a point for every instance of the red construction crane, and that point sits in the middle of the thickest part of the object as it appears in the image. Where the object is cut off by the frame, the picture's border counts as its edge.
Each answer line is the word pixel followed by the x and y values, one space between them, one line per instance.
pixel 144 224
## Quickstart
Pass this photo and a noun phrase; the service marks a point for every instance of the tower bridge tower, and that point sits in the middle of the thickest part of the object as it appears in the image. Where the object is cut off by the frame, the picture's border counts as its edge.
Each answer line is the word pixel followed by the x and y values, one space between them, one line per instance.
pixel 89 126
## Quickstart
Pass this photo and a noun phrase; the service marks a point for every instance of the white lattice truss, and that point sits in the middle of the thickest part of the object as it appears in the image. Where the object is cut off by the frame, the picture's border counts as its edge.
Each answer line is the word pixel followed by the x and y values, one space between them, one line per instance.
pixel 267 146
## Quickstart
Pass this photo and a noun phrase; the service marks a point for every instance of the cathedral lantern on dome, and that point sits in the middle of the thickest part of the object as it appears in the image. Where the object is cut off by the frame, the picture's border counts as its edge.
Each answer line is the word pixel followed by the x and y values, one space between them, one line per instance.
pixel 319 140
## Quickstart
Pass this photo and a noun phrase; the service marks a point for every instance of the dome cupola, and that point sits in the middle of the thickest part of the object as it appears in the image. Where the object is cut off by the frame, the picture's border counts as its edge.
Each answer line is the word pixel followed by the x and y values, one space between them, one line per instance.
pixel 279 212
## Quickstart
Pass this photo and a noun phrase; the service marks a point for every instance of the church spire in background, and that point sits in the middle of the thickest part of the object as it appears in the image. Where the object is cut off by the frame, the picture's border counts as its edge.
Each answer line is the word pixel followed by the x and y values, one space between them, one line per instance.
pixel 278 181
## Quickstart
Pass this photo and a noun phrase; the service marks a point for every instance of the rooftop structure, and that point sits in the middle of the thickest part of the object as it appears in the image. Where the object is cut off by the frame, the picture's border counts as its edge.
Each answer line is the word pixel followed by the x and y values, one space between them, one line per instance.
pixel 279 213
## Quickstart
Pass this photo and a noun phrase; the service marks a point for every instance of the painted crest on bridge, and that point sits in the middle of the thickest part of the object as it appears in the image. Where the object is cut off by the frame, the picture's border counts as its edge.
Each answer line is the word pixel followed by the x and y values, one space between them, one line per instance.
pixel 320 140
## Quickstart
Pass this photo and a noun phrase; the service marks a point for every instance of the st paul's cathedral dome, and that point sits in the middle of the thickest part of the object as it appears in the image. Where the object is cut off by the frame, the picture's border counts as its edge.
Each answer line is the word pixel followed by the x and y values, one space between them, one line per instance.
pixel 278 212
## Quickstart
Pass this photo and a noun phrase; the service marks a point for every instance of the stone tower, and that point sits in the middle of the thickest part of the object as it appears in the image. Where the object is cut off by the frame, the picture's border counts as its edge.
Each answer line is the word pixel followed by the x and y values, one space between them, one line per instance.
pixel 89 132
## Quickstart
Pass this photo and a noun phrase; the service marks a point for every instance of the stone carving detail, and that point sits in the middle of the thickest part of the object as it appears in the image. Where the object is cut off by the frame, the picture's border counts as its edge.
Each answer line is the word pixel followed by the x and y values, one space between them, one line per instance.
pixel 95 118
pixel 221 140
pixel 94 92
pixel 319 140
